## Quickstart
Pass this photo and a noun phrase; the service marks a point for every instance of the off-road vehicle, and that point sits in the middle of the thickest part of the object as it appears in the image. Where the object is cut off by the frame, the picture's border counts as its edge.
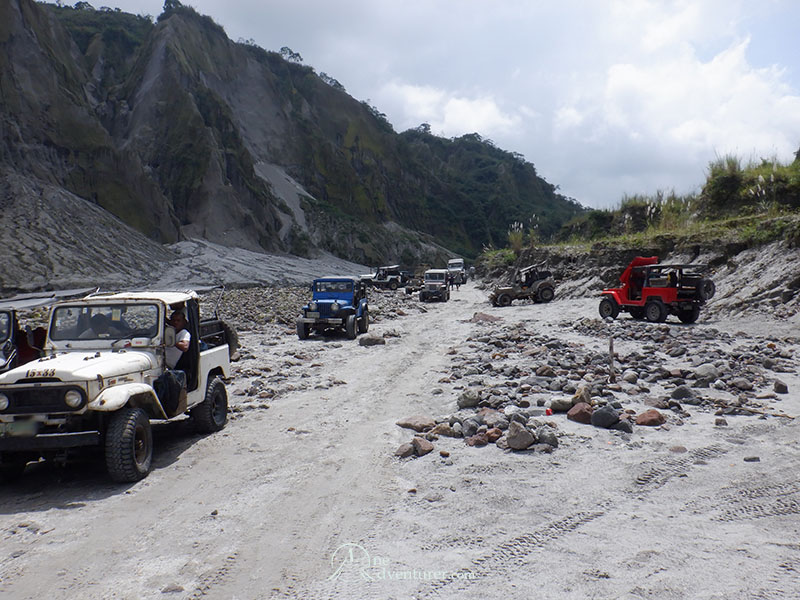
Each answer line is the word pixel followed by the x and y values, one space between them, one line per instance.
pixel 455 266
pixel 434 286
pixel 653 291
pixel 21 344
pixel 104 379
pixel 336 303
pixel 530 283
pixel 390 277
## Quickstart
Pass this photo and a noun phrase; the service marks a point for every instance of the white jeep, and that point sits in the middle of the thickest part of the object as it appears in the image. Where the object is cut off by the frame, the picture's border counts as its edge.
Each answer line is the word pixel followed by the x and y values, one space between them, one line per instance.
pixel 104 378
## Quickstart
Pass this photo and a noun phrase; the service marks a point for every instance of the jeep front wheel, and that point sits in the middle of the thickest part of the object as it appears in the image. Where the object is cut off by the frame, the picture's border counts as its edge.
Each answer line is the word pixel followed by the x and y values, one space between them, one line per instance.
pixel 350 327
pixel 363 322
pixel 655 312
pixel 129 445
pixel 546 294
pixel 503 300
pixel 608 308
pixel 689 315
pixel 212 413
pixel 302 330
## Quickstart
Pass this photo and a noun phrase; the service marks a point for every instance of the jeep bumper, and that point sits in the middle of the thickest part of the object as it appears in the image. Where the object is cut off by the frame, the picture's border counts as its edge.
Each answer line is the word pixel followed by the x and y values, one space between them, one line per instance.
pixel 321 321
pixel 49 441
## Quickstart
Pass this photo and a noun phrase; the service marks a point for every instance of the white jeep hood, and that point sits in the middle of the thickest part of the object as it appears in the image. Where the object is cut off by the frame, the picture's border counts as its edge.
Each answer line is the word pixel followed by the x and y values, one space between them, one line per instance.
pixel 83 366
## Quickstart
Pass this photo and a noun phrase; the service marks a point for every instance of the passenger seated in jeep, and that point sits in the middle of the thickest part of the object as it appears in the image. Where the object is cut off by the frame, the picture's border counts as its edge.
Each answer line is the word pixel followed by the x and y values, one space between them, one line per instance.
pixel 182 338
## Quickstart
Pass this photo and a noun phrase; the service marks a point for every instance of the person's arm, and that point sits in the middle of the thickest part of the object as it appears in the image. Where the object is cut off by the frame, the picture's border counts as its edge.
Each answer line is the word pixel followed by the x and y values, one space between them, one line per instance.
pixel 182 340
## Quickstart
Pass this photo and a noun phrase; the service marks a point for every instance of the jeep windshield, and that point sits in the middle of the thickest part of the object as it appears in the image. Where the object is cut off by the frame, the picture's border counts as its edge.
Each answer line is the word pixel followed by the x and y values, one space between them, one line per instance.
pixel 434 277
pixel 333 286
pixel 104 322
pixel 5 326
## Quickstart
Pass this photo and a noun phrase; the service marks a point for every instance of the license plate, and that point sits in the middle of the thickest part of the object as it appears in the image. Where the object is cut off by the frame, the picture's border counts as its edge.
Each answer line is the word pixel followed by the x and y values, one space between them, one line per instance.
pixel 19 428
pixel 312 315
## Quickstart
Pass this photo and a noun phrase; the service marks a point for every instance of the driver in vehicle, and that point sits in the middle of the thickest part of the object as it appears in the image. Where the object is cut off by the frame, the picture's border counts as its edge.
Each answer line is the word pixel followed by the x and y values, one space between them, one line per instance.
pixel 182 338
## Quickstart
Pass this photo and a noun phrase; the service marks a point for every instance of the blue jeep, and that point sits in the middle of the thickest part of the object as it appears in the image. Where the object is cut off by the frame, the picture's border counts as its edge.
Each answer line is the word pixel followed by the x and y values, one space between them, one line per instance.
pixel 337 303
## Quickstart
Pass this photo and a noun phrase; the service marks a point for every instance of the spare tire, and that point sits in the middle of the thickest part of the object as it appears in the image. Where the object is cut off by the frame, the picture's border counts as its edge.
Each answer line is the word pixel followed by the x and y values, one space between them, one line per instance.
pixel 231 337
pixel 706 289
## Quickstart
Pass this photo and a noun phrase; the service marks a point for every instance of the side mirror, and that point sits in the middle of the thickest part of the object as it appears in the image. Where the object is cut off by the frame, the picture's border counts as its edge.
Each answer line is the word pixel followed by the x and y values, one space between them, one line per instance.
pixel 169 335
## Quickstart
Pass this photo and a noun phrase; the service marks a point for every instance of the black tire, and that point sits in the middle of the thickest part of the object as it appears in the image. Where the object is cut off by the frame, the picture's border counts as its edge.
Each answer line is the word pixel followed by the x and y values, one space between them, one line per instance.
pixel 689 315
pixel 129 445
pixel 637 312
pixel 706 289
pixel 212 413
pixel 392 285
pixel 608 308
pixel 363 322
pixel 350 327
pixel 422 297
pixel 655 311
pixel 503 300
pixel 302 330
pixel 12 466
pixel 546 294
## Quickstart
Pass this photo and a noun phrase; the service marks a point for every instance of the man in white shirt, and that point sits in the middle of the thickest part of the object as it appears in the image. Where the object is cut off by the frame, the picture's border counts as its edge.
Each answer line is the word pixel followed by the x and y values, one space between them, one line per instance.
pixel 182 338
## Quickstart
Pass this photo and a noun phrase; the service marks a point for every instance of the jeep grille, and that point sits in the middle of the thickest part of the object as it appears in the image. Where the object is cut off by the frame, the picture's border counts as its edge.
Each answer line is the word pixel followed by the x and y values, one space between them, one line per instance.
pixel 40 400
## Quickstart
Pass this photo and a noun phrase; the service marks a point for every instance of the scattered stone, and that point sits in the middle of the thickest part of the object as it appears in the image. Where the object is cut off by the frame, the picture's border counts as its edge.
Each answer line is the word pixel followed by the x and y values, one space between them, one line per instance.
pixel 630 376
pixel 752 459
pixel 605 417
pixel 742 384
pixel 706 371
pixel 560 404
pixel 547 436
pixel 421 446
pixel 780 387
pixel 477 440
pixel 580 413
pixel 468 399
pixel 720 422
pixel 622 425
pixel 173 588
pixel 582 394
pixel 404 451
pixel 678 449
pixel 651 418
pixel 494 434
pixel 682 392
pixel 371 340
pixel 444 453
pixel 518 437
pixel 418 423
pixel 446 430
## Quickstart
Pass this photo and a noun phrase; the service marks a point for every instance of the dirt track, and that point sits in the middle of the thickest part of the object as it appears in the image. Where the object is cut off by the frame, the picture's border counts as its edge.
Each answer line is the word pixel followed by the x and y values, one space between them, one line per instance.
pixel 302 489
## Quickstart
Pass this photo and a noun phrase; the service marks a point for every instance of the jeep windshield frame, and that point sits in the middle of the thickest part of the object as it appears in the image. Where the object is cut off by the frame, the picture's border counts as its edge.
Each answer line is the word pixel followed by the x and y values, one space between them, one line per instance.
pixel 107 321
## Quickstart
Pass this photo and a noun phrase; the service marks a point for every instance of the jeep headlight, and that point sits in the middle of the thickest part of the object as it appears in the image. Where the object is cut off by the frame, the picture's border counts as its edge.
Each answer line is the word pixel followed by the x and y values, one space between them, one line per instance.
pixel 335 307
pixel 73 398
pixel 312 306
pixel 3 402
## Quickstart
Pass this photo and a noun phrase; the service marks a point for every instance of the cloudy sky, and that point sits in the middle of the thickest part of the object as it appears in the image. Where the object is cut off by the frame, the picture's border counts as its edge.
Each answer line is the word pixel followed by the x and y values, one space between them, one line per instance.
pixel 606 98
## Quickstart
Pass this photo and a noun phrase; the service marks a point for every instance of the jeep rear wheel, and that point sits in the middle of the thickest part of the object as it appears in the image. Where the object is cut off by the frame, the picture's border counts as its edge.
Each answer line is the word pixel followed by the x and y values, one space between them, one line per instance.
pixel 350 327
pixel 302 330
pixel 392 285
pixel 129 445
pixel 689 315
pixel 212 413
pixel 608 308
pixel 503 300
pixel 655 311
pixel 546 294
pixel 363 322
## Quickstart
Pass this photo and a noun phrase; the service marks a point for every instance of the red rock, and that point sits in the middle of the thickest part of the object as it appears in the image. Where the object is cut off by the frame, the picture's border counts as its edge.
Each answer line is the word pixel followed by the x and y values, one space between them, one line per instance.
pixel 479 439
pixel 494 434
pixel 651 418
pixel 421 446
pixel 417 422
pixel 580 413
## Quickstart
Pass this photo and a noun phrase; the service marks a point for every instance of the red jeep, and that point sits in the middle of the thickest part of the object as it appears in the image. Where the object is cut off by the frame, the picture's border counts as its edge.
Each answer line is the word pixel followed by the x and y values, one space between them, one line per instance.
pixel 654 291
